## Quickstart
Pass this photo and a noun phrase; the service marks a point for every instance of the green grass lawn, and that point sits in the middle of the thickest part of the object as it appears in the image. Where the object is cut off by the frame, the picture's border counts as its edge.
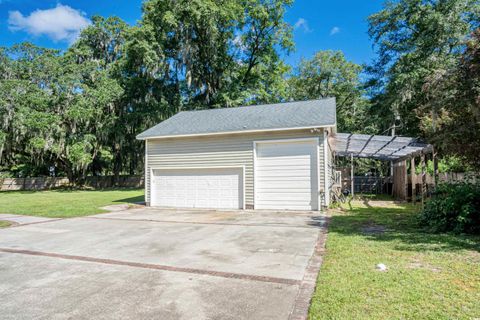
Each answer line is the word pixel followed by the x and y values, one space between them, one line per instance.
pixel 65 203
pixel 430 276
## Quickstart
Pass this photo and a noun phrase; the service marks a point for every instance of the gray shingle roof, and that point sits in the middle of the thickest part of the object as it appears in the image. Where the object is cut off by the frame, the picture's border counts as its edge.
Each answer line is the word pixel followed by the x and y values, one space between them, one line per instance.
pixel 288 115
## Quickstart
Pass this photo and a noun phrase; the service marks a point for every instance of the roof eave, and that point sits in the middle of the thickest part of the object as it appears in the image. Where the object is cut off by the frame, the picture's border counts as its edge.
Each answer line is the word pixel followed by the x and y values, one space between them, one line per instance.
pixel 234 132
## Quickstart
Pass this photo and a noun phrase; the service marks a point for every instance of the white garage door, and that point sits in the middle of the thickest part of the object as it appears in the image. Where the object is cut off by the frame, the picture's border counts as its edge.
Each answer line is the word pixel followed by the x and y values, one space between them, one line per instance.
pixel 286 175
pixel 198 188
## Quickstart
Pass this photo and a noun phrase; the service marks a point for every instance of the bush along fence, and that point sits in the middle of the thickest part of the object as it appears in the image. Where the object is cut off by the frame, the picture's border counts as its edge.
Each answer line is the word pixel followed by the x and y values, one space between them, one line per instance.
pixel 453 207
pixel 44 183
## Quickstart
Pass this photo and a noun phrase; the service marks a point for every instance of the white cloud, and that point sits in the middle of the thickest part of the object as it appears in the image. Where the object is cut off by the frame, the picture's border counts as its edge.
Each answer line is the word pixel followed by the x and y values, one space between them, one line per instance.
pixel 61 23
pixel 334 31
pixel 303 24
pixel 238 42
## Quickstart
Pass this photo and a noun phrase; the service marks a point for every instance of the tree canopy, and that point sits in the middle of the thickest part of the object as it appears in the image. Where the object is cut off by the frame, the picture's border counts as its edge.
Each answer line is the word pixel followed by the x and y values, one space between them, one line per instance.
pixel 329 74
pixel 420 46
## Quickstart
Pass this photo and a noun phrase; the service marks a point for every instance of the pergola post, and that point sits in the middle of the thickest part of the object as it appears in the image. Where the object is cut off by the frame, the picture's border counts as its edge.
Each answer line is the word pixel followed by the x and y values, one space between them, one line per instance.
pixel 392 175
pixel 424 178
pixel 413 178
pixel 405 180
pixel 352 182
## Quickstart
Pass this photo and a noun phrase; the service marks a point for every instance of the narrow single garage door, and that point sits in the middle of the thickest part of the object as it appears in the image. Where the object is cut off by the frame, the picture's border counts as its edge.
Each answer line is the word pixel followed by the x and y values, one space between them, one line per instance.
pixel 286 175
pixel 198 188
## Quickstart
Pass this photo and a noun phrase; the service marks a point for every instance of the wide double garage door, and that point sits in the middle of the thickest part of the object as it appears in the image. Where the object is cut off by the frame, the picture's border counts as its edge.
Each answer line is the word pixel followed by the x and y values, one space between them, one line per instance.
pixel 198 188
pixel 285 178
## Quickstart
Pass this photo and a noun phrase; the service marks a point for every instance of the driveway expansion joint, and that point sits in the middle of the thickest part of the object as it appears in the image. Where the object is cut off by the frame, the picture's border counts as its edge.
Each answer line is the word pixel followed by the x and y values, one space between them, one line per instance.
pixel 222 274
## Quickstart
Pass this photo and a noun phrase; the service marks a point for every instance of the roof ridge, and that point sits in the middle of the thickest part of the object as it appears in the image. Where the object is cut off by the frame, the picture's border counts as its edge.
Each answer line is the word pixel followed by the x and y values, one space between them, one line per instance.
pixel 259 105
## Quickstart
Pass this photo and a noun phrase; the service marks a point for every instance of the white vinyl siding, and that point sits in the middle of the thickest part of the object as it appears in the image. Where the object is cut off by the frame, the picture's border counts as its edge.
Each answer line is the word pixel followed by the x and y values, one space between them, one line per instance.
pixel 232 150
pixel 286 174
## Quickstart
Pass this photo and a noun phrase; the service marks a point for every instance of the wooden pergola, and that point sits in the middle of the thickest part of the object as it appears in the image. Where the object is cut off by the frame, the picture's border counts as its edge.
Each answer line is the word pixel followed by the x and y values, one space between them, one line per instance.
pixel 395 149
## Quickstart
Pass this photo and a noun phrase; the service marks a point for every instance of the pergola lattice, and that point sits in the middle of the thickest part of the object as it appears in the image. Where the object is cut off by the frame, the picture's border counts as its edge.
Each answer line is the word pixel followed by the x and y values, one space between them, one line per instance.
pixel 386 148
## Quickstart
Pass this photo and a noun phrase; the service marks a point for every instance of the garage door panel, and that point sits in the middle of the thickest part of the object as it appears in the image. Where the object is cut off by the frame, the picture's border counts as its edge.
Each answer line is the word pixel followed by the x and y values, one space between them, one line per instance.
pixel 286 175
pixel 275 168
pixel 282 191
pixel 290 186
pixel 286 159
pixel 280 205
pixel 286 196
pixel 287 202
pixel 280 179
pixel 276 149
pixel 198 188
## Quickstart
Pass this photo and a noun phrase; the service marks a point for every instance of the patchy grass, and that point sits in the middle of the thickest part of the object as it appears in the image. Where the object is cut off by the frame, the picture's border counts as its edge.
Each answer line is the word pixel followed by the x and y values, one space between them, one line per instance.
pixel 5 224
pixel 429 276
pixel 65 203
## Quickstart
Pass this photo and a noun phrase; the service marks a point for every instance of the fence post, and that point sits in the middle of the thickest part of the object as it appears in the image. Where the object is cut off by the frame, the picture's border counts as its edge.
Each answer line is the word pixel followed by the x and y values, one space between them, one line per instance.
pixel 424 177
pixel 435 168
pixel 352 182
pixel 413 176
pixel 405 179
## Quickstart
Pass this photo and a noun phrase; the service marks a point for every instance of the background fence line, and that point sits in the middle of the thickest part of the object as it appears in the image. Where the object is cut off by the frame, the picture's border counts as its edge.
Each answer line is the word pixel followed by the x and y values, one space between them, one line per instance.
pixel 44 183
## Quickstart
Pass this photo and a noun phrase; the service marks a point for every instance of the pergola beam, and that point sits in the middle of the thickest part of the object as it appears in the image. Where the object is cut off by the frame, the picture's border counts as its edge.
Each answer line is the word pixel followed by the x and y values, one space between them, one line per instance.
pixel 366 143
pixel 386 144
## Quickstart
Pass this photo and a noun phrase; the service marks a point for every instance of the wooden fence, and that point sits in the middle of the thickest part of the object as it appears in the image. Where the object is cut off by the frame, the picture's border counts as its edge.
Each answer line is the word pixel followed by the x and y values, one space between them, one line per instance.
pixel 403 188
pixel 43 183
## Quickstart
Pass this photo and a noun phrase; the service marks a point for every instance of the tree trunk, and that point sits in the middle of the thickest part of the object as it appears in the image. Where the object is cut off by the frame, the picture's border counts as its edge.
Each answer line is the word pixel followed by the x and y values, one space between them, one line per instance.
pixel 117 165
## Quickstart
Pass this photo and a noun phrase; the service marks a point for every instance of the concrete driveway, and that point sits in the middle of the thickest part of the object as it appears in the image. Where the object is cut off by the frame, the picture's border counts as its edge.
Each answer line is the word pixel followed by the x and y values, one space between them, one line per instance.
pixel 151 263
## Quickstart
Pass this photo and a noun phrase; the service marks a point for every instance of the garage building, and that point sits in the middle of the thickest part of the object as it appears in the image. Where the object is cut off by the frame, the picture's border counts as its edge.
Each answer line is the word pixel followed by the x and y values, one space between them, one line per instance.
pixel 272 156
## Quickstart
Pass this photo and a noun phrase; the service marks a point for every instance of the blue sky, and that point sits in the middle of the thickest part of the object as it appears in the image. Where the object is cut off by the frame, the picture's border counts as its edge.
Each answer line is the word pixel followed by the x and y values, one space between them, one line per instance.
pixel 318 25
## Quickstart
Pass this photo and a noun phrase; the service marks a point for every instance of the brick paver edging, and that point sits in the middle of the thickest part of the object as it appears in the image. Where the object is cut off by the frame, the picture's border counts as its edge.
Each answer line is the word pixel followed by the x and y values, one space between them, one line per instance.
pixel 35 222
pixel 268 225
pixel 221 274
pixel 307 285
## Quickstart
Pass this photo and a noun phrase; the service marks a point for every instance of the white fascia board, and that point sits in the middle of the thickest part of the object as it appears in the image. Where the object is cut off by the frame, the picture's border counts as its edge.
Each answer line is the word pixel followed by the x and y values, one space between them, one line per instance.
pixel 235 132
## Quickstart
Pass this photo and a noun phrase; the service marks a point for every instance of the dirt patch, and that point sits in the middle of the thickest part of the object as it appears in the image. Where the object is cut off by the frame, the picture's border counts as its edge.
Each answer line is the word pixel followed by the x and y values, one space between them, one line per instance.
pixel 417 264
pixel 374 229
pixel 219 216
pixel 465 286
pixel 380 203
pixel 122 207
pixel 7 224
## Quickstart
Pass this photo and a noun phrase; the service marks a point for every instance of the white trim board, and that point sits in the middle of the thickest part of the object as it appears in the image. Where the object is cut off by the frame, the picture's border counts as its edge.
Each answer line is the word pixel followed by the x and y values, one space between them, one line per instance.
pixel 327 172
pixel 234 132
pixel 147 182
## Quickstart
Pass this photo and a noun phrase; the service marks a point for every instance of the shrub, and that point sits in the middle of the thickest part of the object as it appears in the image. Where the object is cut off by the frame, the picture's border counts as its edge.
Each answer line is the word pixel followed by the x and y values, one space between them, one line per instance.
pixel 453 207
pixel 447 164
